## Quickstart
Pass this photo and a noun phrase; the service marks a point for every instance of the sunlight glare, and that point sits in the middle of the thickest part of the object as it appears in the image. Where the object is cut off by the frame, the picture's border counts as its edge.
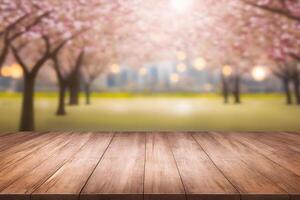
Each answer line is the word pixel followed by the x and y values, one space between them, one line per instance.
pixel 183 108
pixel 181 6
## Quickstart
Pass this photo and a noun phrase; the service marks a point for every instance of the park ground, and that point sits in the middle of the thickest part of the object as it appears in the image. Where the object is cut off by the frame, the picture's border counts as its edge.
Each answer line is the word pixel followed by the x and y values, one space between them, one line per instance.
pixel 151 112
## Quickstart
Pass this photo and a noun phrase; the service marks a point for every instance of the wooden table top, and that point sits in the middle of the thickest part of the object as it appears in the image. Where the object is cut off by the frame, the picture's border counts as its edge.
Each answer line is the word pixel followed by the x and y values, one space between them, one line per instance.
pixel 149 166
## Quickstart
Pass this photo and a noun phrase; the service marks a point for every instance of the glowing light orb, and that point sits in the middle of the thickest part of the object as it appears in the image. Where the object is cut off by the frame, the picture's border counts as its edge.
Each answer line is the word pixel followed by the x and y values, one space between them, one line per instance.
pixel 6 71
pixel 143 71
pixel 181 56
pixel 181 67
pixel 199 64
pixel 259 73
pixel 227 70
pixel 174 78
pixel 115 69
pixel 181 6
pixel 16 71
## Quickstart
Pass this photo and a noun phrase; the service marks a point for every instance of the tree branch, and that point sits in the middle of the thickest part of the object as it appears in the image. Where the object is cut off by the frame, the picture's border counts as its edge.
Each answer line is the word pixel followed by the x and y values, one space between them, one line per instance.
pixel 44 57
pixel 13 24
pixel 295 56
pixel 19 59
pixel 57 67
pixel 278 11
pixel 64 42
pixel 34 23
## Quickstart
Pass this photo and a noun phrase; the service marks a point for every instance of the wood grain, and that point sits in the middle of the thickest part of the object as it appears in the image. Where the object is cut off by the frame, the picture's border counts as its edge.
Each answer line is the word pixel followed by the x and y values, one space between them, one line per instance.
pixel 14 139
pixel 200 176
pixel 29 182
pixel 162 178
pixel 281 154
pixel 250 183
pixel 17 153
pixel 24 166
pixel 283 178
pixel 119 174
pixel 279 141
pixel 150 166
pixel 64 183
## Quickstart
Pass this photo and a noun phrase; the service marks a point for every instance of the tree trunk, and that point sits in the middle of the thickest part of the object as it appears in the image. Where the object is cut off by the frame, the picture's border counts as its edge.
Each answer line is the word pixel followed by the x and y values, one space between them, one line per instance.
pixel 225 88
pixel 27 115
pixel 74 88
pixel 87 89
pixel 3 55
pixel 296 88
pixel 61 102
pixel 237 89
pixel 75 80
pixel 287 90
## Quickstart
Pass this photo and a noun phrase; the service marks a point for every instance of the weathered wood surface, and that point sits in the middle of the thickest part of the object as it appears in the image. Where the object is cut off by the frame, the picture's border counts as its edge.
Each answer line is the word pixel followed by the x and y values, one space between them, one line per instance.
pixel 149 166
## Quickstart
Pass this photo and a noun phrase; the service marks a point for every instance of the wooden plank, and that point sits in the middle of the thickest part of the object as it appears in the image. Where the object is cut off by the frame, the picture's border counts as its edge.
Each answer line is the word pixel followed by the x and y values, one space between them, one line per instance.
pixel 120 173
pixel 4 134
pixel 21 151
pixel 66 183
pixel 282 177
pixel 15 139
pixel 286 136
pixel 11 134
pixel 285 157
pixel 29 182
pixel 292 135
pixel 24 166
pixel 162 179
pixel 250 183
pixel 279 141
pixel 201 178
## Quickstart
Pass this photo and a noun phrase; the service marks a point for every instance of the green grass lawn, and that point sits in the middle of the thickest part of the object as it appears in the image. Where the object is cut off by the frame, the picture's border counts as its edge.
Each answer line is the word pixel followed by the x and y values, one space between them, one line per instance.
pixel 128 112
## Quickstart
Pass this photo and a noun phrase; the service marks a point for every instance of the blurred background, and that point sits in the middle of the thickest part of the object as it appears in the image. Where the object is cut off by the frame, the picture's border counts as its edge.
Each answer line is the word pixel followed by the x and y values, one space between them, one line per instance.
pixel 131 65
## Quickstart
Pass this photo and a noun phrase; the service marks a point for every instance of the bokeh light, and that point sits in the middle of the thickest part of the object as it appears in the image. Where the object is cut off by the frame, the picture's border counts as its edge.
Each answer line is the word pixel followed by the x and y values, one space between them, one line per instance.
pixel 259 73
pixel 181 56
pixel 115 69
pixel 227 70
pixel 199 64
pixel 6 71
pixel 174 78
pixel 16 71
pixel 143 71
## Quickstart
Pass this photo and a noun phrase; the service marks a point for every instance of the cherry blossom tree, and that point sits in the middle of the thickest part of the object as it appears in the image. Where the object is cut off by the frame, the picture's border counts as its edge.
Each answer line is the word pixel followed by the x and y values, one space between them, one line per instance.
pixel 66 62
pixel 43 40
pixel 81 38
pixel 276 24
pixel 15 21
pixel 96 63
